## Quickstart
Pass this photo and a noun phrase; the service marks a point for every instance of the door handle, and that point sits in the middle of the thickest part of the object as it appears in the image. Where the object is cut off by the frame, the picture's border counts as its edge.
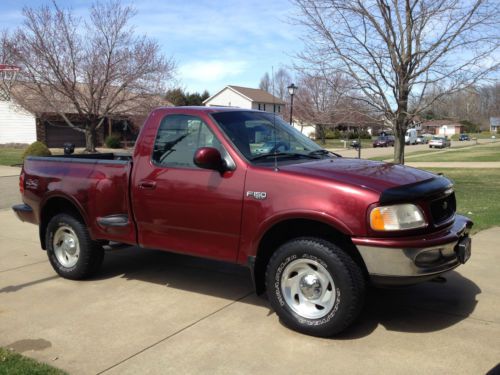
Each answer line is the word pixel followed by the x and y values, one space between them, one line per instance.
pixel 145 184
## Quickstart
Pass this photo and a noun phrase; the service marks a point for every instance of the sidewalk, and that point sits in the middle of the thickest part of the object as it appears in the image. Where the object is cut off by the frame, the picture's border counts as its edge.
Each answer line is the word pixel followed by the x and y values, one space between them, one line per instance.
pixel 159 313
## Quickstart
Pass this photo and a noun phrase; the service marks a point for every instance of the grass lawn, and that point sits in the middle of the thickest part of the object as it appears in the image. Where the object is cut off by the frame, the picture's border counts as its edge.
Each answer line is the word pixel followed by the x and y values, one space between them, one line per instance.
pixel 477 195
pixel 477 153
pixel 10 156
pixel 482 152
pixel 12 363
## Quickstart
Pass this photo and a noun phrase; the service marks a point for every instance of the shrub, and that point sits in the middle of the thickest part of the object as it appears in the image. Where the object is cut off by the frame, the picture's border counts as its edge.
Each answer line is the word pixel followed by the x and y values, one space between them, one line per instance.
pixel 36 149
pixel 332 134
pixel 113 141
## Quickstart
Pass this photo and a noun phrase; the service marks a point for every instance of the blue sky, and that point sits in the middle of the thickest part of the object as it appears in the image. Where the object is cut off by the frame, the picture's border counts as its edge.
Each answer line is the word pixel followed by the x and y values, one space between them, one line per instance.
pixel 215 43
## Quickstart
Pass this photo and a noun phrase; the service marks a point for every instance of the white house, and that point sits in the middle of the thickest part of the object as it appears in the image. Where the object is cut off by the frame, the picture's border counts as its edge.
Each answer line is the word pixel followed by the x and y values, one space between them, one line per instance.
pixel 245 97
pixel 495 124
pixel 16 124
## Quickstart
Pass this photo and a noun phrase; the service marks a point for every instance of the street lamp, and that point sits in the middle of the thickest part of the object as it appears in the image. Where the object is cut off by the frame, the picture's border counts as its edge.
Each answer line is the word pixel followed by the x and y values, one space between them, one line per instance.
pixel 291 90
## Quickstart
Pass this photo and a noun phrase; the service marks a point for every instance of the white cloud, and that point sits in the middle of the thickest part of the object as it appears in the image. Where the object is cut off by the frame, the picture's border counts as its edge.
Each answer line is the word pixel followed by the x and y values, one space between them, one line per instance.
pixel 211 71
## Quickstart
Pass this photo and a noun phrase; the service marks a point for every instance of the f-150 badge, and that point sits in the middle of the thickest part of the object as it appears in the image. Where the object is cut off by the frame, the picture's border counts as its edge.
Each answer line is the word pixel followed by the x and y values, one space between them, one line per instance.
pixel 259 195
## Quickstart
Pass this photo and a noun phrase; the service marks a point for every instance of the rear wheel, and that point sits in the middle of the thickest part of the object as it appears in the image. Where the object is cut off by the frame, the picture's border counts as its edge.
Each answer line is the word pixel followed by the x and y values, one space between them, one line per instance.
pixel 314 286
pixel 71 251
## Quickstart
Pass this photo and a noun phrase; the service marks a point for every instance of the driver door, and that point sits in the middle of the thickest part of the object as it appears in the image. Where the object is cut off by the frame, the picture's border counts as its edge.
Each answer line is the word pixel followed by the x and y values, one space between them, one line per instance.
pixel 181 207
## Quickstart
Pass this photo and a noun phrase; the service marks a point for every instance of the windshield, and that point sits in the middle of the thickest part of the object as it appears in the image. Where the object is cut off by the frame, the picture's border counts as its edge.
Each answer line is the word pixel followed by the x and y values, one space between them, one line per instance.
pixel 257 134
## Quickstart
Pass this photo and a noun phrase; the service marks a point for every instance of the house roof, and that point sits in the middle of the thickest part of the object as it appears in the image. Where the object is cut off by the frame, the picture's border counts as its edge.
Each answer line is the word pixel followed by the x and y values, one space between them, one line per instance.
pixel 439 123
pixel 254 95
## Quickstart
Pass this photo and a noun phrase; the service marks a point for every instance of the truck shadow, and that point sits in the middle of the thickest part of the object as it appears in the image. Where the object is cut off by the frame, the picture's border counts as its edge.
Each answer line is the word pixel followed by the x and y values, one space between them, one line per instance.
pixel 426 307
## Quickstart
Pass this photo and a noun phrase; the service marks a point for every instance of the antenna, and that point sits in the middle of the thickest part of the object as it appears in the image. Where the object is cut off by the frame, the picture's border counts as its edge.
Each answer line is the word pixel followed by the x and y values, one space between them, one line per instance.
pixel 276 169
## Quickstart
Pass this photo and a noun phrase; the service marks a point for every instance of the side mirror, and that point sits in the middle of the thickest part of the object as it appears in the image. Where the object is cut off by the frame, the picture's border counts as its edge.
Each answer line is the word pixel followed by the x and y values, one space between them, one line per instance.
pixel 209 158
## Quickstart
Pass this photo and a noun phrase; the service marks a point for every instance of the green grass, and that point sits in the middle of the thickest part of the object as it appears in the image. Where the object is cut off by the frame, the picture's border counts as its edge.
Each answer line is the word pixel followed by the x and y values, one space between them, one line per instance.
pixel 477 195
pixel 481 152
pixel 11 156
pixel 476 153
pixel 12 363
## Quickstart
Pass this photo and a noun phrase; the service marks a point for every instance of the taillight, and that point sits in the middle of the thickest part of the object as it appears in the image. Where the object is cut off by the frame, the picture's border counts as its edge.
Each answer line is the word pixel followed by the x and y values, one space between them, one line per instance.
pixel 21 182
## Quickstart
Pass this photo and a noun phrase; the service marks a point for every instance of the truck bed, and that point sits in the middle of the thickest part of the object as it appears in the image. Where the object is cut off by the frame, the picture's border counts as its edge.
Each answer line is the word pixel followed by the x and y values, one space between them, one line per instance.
pixel 96 184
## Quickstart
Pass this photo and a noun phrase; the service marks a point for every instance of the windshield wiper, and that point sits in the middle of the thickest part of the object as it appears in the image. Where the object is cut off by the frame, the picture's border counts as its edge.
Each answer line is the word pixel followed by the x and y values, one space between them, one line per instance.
pixel 288 154
pixel 322 151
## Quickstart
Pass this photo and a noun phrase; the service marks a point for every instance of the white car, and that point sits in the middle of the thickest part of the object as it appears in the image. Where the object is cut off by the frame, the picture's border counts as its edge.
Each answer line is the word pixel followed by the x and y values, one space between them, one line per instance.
pixel 439 142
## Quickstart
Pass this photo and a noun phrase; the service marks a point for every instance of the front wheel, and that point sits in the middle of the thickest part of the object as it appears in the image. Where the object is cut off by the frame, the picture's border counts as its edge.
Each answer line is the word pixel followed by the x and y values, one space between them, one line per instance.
pixel 71 251
pixel 315 287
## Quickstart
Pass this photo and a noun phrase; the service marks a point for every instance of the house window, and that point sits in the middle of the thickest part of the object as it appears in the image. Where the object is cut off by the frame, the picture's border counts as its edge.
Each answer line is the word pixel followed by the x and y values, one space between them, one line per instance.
pixel 264 107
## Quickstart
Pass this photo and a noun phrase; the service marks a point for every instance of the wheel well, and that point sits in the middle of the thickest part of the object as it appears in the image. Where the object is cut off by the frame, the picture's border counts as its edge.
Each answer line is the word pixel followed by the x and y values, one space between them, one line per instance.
pixel 290 229
pixel 53 207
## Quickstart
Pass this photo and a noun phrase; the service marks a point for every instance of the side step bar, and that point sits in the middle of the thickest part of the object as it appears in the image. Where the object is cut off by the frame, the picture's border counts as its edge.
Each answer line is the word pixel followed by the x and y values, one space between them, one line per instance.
pixel 113 221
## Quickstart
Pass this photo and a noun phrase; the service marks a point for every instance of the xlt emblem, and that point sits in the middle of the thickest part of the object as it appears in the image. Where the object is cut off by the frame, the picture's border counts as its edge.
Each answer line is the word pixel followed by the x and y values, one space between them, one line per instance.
pixel 259 195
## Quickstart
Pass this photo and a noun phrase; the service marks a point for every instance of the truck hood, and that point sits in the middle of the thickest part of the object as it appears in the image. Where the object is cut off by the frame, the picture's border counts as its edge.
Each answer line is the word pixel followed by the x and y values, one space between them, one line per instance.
pixel 376 176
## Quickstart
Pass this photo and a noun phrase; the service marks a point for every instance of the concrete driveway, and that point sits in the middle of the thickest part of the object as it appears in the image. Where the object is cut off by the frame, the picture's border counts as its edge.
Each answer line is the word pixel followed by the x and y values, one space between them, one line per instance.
pixel 9 186
pixel 150 312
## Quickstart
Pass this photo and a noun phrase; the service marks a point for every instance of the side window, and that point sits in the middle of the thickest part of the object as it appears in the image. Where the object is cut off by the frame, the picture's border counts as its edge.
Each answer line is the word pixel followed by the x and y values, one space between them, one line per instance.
pixel 179 136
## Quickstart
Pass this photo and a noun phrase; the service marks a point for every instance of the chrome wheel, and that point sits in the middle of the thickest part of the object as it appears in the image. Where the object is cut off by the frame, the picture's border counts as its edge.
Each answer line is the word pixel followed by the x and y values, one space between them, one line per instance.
pixel 66 246
pixel 308 288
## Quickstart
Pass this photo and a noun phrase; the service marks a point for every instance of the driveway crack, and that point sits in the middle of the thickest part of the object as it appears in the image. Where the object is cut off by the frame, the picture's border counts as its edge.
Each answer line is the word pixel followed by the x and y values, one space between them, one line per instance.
pixel 177 332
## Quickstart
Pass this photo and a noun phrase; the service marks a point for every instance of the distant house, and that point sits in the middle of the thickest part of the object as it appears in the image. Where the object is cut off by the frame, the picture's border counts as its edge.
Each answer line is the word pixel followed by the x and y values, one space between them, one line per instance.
pixel 20 126
pixel 495 124
pixel 442 127
pixel 245 97
pixel 16 124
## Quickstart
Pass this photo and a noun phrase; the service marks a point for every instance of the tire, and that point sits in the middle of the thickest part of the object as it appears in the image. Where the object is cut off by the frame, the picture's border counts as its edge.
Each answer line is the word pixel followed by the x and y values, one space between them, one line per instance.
pixel 315 287
pixel 71 251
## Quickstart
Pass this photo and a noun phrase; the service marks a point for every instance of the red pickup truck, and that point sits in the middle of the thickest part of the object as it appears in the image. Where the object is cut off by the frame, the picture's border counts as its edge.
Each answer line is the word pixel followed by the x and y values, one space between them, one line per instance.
pixel 313 227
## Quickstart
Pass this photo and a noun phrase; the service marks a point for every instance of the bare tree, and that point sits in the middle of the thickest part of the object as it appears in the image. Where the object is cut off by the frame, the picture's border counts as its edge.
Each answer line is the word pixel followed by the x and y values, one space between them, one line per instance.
pixel 265 83
pixel 327 102
pixel 281 81
pixel 5 53
pixel 277 84
pixel 395 50
pixel 98 67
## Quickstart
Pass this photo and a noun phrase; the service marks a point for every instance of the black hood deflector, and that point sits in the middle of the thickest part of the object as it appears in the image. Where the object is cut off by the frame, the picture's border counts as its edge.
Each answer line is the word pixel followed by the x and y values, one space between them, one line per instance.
pixel 415 191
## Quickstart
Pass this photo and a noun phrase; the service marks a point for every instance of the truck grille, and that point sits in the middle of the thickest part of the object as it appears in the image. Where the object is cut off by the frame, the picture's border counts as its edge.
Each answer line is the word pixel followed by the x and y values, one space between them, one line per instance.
pixel 443 208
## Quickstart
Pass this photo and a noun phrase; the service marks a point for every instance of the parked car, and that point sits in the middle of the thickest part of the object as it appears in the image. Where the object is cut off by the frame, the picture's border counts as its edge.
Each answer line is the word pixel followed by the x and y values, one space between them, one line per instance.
pixel 421 140
pixel 384 141
pixel 313 228
pixel 439 142
pixel 464 137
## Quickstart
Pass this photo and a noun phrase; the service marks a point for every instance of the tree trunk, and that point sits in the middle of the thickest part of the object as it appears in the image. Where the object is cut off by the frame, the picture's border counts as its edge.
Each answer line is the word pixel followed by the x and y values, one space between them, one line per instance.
pixel 401 122
pixel 90 139
pixel 399 139
pixel 321 133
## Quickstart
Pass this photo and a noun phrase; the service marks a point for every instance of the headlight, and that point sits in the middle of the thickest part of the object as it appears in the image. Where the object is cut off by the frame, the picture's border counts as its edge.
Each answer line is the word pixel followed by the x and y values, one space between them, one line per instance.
pixel 397 217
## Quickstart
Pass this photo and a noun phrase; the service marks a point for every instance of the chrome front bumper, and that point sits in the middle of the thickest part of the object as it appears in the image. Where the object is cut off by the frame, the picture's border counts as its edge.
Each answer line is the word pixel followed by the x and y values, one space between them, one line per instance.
pixel 409 265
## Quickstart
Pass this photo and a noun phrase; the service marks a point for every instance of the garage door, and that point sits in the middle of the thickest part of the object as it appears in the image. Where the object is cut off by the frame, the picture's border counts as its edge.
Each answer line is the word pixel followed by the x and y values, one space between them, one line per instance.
pixel 59 133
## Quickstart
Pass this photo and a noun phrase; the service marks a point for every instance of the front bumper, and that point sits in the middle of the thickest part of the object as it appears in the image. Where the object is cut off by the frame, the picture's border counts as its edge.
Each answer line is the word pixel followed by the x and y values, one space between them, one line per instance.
pixel 408 261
